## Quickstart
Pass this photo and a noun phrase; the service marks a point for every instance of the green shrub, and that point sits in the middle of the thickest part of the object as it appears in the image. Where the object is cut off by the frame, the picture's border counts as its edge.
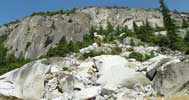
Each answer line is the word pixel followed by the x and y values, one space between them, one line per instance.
pixel 132 43
pixel 8 61
pixel 63 47
pixel 12 22
pixel 130 49
pixel 141 57
pixel 116 51
pixel 147 57
pixel 54 13
pixel 137 56
pixel 91 54
pixel 185 24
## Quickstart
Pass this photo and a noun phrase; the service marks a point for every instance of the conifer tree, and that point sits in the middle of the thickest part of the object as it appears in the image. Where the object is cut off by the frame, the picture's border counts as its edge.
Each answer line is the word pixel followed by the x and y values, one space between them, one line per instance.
pixel 186 38
pixel 135 27
pixel 184 24
pixel 125 29
pixel 101 30
pixel 170 26
pixel 92 30
pixel 118 30
pixel 109 28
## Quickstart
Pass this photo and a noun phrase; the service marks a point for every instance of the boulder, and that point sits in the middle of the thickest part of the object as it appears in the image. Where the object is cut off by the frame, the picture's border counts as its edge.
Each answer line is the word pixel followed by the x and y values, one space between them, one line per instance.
pixel 114 73
pixel 26 82
pixel 172 79
pixel 95 48
pixel 131 41
pixel 145 49
pixel 151 65
pixel 139 93
pixel 87 93
pixel 164 33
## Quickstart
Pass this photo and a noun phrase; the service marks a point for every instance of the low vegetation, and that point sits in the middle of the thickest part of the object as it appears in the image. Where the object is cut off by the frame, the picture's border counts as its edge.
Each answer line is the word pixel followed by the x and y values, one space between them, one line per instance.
pixel 137 56
pixel 91 54
pixel 48 13
pixel 8 61
pixel 140 57
pixel 63 47
pixel 12 22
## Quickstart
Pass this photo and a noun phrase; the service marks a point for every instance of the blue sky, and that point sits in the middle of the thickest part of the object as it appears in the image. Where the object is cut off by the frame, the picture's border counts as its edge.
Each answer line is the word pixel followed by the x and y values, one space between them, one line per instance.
pixel 17 9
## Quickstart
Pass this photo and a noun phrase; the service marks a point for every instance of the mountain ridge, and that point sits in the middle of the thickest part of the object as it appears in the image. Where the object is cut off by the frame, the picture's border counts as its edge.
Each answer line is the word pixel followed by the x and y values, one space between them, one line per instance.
pixel 28 37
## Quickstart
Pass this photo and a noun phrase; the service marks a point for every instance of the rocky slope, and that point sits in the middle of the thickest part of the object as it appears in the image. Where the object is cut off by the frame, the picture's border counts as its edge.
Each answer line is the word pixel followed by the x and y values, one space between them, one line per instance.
pixel 104 77
pixel 109 72
pixel 34 35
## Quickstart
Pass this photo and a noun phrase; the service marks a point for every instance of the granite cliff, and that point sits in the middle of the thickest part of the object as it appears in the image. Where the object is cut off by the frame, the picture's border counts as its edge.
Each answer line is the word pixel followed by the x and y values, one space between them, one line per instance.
pixel 33 36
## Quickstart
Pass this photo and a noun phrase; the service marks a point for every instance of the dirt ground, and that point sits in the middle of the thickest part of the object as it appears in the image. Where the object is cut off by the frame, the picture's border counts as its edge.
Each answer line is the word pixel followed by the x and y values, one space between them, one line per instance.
pixel 174 98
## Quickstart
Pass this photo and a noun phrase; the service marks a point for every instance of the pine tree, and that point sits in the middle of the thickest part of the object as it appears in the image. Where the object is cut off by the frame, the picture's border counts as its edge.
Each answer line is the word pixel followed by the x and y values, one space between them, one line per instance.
pixel 184 24
pixel 92 30
pixel 109 28
pixel 72 47
pixel 125 29
pixel 186 38
pixel 135 27
pixel 170 26
pixel 148 26
pixel 118 30
pixel 101 30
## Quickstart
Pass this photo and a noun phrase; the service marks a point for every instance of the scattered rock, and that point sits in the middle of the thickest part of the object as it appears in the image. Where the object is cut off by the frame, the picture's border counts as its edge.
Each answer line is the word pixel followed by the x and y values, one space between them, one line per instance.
pixel 172 80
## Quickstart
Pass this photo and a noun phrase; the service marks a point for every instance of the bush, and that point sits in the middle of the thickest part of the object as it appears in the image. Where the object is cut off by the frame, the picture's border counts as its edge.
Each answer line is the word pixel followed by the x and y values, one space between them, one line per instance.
pixel 147 57
pixel 161 41
pixel 91 54
pixel 116 51
pixel 187 52
pixel 9 62
pixel 60 50
pixel 63 47
pixel 137 56
pixel 12 22
pixel 184 24
pixel 54 13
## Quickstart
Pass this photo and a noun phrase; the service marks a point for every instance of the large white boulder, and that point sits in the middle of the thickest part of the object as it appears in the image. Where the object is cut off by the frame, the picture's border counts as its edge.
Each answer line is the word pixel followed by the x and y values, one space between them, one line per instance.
pixel 114 72
pixel 153 64
pixel 106 48
pixel 26 82
pixel 145 49
pixel 172 79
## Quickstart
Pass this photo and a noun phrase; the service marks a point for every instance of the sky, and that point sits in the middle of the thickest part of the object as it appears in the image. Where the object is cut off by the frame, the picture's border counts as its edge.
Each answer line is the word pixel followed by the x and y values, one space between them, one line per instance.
pixel 11 10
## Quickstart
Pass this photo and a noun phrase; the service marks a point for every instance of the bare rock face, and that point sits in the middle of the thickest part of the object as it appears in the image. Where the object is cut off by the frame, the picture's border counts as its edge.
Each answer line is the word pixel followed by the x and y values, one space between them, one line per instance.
pixel 33 36
pixel 172 80
pixel 124 17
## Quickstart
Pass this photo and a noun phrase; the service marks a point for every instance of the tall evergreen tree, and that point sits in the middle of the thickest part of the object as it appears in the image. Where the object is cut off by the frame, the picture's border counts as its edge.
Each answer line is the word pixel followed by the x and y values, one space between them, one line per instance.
pixel 186 38
pixel 92 30
pixel 135 27
pixel 184 24
pixel 118 29
pixel 170 26
pixel 101 30
pixel 148 26
pixel 109 28
pixel 125 29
